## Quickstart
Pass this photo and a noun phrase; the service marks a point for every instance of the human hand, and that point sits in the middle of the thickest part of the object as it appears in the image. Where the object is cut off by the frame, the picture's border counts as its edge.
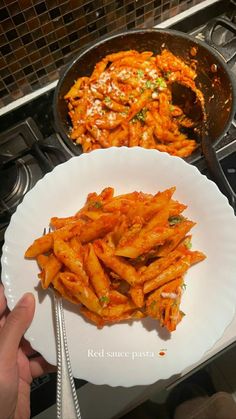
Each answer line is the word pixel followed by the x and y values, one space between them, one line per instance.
pixel 17 369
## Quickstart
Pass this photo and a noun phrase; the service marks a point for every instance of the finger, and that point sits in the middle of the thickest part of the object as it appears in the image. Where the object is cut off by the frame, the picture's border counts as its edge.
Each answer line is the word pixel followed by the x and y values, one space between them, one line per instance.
pixel 38 367
pixel 3 302
pixel 3 320
pixel 27 348
pixel 14 328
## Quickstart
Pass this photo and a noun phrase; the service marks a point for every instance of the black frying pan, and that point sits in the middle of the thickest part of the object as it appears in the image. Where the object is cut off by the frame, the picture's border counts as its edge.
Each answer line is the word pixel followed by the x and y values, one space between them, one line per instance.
pixel 214 78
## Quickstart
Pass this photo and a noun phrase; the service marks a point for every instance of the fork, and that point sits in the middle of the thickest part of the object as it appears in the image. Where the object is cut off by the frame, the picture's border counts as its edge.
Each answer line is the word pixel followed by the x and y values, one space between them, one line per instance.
pixel 67 401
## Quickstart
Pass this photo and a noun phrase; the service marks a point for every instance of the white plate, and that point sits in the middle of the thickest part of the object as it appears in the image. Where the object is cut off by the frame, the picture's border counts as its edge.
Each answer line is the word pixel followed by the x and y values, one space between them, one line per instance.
pixel 126 354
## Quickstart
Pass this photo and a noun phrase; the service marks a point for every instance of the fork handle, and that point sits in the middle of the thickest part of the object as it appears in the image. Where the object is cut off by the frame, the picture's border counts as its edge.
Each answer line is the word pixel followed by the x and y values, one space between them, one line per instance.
pixel 67 401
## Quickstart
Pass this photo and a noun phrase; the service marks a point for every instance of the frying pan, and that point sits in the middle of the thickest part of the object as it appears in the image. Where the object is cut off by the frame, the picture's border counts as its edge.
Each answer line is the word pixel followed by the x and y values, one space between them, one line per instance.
pixel 214 80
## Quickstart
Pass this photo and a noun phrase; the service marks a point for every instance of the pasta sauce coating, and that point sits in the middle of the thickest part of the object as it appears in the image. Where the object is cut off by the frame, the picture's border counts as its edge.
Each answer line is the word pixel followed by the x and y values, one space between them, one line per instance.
pixel 127 101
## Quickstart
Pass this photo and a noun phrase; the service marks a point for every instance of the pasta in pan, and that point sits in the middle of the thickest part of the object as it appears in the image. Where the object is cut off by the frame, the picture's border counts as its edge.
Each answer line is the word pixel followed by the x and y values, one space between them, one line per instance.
pixel 120 257
pixel 127 101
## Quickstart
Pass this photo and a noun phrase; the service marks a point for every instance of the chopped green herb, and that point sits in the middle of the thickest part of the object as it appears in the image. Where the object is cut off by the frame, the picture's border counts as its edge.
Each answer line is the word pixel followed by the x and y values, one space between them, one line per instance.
pixel 95 204
pixel 183 286
pixel 172 108
pixel 175 220
pixel 188 243
pixel 140 74
pixel 107 99
pixel 140 116
pixel 104 299
pixel 149 84
pixel 160 82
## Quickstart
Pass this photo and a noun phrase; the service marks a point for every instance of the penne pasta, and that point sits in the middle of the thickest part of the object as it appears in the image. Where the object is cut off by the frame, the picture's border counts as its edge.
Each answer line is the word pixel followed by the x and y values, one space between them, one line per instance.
pixel 97 275
pixel 51 269
pixel 69 258
pixel 144 241
pixel 82 292
pixel 127 100
pixel 117 264
pixel 120 258
pixel 171 272
pixel 137 295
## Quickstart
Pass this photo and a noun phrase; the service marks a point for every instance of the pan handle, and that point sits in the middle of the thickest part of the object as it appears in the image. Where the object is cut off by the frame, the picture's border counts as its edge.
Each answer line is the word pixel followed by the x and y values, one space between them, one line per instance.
pixel 216 170
pixel 228 50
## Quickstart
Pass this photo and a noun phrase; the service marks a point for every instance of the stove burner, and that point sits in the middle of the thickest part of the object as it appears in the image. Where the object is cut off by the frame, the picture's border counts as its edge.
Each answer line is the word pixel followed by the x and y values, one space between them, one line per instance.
pixel 24 158
pixel 16 184
pixel 220 33
pixel 10 176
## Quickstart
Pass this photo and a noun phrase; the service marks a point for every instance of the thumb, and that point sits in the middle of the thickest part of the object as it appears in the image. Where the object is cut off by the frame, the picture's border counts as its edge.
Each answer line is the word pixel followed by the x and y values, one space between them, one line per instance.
pixel 16 325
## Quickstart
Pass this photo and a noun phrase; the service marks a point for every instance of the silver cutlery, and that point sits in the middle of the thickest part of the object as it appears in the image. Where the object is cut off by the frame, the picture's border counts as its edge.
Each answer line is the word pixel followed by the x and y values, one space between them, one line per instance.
pixel 67 401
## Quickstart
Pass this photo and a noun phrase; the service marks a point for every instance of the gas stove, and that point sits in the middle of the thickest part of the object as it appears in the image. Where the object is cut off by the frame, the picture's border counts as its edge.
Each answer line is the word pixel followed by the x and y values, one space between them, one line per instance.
pixel 30 146
pixel 25 156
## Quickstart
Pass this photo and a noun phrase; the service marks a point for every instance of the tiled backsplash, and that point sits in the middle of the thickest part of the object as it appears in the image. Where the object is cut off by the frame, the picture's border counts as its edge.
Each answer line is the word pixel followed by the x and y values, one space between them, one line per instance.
pixel 39 36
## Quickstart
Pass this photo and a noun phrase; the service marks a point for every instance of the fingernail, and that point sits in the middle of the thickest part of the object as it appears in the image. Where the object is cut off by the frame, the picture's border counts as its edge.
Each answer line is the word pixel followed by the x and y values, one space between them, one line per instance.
pixel 25 300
